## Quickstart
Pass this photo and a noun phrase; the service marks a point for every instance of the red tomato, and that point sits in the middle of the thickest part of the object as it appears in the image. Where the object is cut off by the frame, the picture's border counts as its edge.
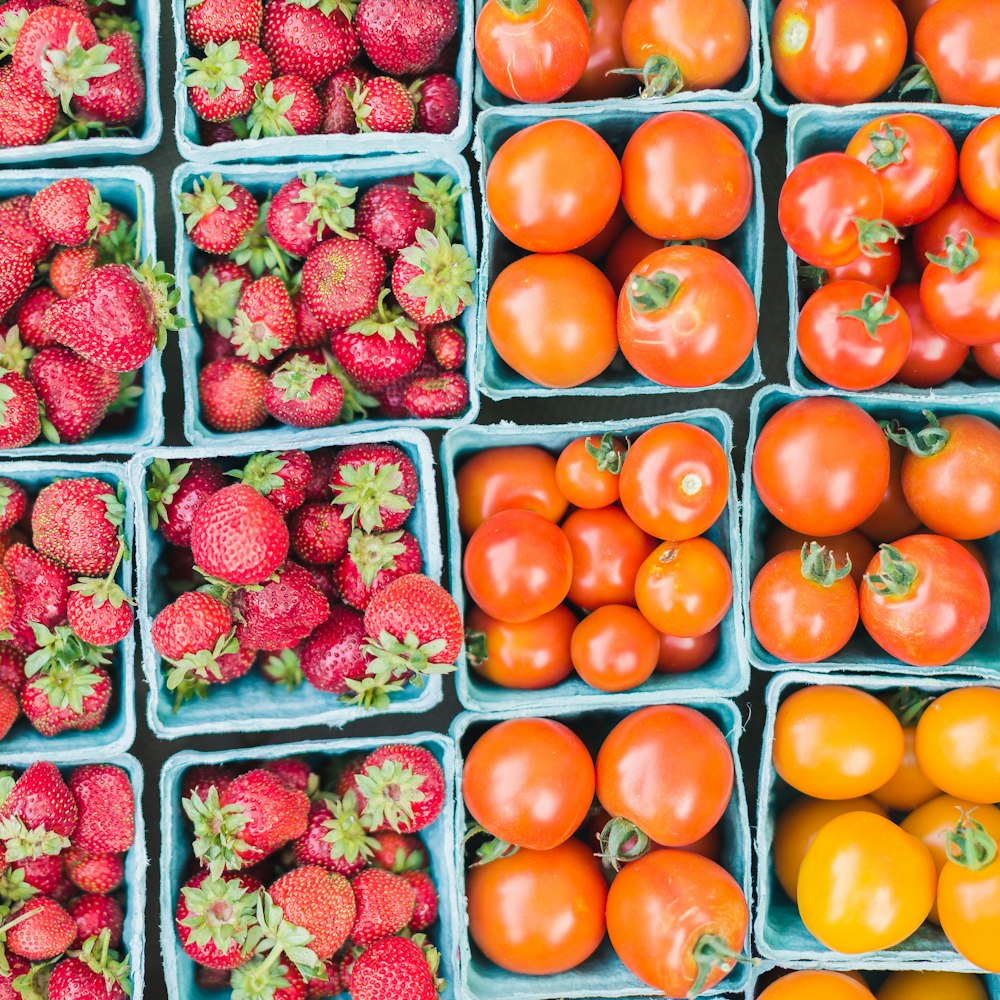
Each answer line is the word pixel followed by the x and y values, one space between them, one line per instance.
pixel 631 247
pixel 959 215
pixel 598 82
pixel 956 41
pixel 850 545
pixel 933 358
pixel 588 469
pixel 615 648
pixel 912 11
pixel 892 518
pixel 979 167
pixel 877 271
pixel 686 317
pixel 684 655
pixel 987 356
pixel 961 291
pixel 597 248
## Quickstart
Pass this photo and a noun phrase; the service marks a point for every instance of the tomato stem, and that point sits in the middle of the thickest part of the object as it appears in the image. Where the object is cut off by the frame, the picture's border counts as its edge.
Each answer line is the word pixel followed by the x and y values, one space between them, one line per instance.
pixel 969 845
pixel 872 313
pixel 917 78
pixel 908 705
pixel 711 953
pixel 926 442
pixel 622 841
pixel 655 292
pixel 958 254
pixel 811 276
pixel 605 454
pixel 888 144
pixel 475 647
pixel 519 8
pixel 661 76
pixel 819 565
pixel 872 233
pixel 492 849
pixel 895 576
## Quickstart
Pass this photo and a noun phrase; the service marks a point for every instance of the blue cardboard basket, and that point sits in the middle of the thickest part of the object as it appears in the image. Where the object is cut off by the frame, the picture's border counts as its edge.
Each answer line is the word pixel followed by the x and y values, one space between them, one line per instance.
pixel 23 744
pixel 260 180
pixel 274 150
pixel 728 671
pixel 128 189
pixel 253 704
pixel 761 977
pixel 814 129
pixel 862 653
pixel 176 859
pixel 602 974
pixel 615 121
pixel 743 87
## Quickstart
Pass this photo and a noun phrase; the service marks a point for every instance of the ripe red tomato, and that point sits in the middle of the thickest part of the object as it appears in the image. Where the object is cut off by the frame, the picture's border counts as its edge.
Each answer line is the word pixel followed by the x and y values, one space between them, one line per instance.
pixel 912 11
pixel 684 655
pixel 517 566
pixel 960 292
pixel 979 166
pixel 597 248
pixel 821 465
pixel 675 481
pixel 588 468
pixel 533 51
pixel 631 247
pixel 958 216
pixel 987 356
pixel 837 51
pixel 850 545
pixel 686 176
pixel 892 518
pixel 686 317
pixel 933 358
pixel 878 271
pixel 598 82
pixel 615 648
pixel 956 41
pixel 551 317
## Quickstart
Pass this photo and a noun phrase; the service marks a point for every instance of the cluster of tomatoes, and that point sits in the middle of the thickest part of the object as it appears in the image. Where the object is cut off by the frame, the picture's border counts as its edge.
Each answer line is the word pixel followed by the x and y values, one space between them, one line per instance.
pixel 539 902
pixel 622 254
pixel 883 312
pixel 841 482
pixel 897 824
pixel 817 984
pixel 612 531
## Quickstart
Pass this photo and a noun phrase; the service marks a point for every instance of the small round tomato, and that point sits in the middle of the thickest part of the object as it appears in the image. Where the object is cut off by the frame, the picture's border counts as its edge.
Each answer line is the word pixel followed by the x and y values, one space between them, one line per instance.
pixel 629 250
pixel 526 655
pixel 515 786
pixel 955 41
pixel 517 478
pixel 892 518
pixel 686 317
pixel 676 920
pixel 685 588
pixel 821 465
pixel 667 769
pixel 960 291
pixel 553 186
pixel 979 166
pixel 588 468
pixel 615 648
pixel 675 481
pixel 865 884
pixel 932 985
pixel 812 984
pixel 850 545
pixel 878 271
pixel 598 82
pixel 686 176
pixel 909 787
pixel 552 318
pixel 608 550
pixel 684 655
pixel 537 913
pixel 933 358
pixel 987 356
pixel 518 565
pixel 597 248
pixel 532 50
pixel 958 216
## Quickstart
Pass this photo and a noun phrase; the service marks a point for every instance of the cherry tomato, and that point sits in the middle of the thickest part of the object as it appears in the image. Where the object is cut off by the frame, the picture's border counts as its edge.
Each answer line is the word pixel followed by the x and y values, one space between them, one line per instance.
pixel 588 468
pixel 518 565
pixel 668 770
pixel 684 655
pixel 598 82
pixel 958 216
pixel 850 545
pixel 684 588
pixel 892 518
pixel 960 292
pixel 517 478
pixel 516 788
pixel 608 550
pixel 686 176
pixel 551 317
pixel 912 11
pixel 821 465
pixel 932 985
pixel 631 247
pixel 812 984
pixel 925 600
pixel 709 846
pixel 909 787
pixel 933 358
pixel 675 481
pixel 686 317
pixel 955 41
pixel 532 50
pixel 597 248
pixel 665 908
pixel 979 167
pixel 987 356
pixel 538 912
pixel 525 656
pixel 865 884
pixel 877 271
pixel 615 648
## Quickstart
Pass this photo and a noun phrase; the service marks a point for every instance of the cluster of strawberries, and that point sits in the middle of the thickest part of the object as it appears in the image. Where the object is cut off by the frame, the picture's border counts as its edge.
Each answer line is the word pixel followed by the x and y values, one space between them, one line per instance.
pixel 300 67
pixel 318 305
pixel 79 314
pixel 348 895
pixel 62 846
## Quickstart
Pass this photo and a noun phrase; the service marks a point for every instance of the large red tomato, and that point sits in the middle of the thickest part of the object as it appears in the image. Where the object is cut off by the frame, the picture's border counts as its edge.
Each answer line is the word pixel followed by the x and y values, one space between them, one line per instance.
pixel 960 291
pixel 958 216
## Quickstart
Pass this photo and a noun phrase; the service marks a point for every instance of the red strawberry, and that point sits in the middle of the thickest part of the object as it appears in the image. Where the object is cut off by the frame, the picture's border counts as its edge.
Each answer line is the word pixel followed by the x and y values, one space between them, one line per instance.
pixel 16 225
pixel 211 979
pixel 69 267
pixel 375 485
pixel 94 975
pixel 282 477
pixel 426 909
pixel 323 578
pixel 339 116
pixel 305 208
pixel 319 483
pixel 384 905
pixel 120 97
pixel 215 346
pixel 395 967
pixel 213 917
pixel 94 914
pixel 232 666
pixel 27 113
pixel 42 589
pixel 331 986
pixel 404 37
pixel 432 279
pixel 286 105
pixel 98 611
pixel 12 667
pixel 31 317
pixel 193 633
pixel 437 99
pixel 380 349
pixel 44 874
pixel 13 503
pixel 320 901
pixel 221 84
pixel 264 325
pixel 216 291
pixel 8 600
pixel 231 131
pixel 389 214
pixel 373 561
pixel 294 772
pixel 48 931
pixel 398 852
pixel 10 709
pixel 309 331
pixel 219 21
pixel 231 394
pixel 436 396
pixel 94 873
pixel 67 698
pixel 75 392
pixel 335 837
pixel 382 104
pixel 260 978
pixel 205 776
pixel 18 967
pixel 16 272
pixel 106 806
pixel 403 788
pixel 19 422
pixel 319 534
pixel 331 657
pixel 304 393
pixel 217 214
pixel 311 41
pixel 77 523
pixel 341 280
pixel 174 494
pixel 38 815
pixel 70 211
pixel 281 614
pixel 446 345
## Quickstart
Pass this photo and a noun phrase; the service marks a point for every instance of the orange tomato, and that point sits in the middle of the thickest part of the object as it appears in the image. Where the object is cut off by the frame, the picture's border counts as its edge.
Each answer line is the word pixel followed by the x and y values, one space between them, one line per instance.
pixel 849 545
pixel 615 648
pixel 605 21
pixel 588 468
pixel 632 246
pixel 892 518
pixel 682 655
pixel 932 985
pixel 909 787
pixel 816 985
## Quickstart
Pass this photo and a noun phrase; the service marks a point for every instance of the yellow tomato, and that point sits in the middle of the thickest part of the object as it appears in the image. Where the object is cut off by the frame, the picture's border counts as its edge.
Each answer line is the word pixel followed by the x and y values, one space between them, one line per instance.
pixel 932 986
pixel 815 985
pixel 909 787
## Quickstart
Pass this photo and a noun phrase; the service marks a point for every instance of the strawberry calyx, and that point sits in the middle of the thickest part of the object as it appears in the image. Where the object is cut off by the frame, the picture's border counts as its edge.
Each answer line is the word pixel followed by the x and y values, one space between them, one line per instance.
pixel 164 482
pixel 387 321
pixel 6 395
pixel 13 888
pixel 373 552
pixel 97 955
pixel 120 245
pixel 433 957
pixel 67 72
pixel 14 356
pixel 254 339
pixel 258 979
pixel 347 835
pixel 201 665
pixel 331 204
pixel 61 657
pixel 206 195
pixel 357 97
pixel 66 687
pixel 390 791
pixel 442 196
pixel 262 472
pixel 367 491
pixel 33 984
pixel 217 828
pixel 373 692
pixel 215 302
pixel 258 252
pixel 21 842
pixel 221 911
pixel 10 28
pixel 269 115
pixel 447 273
pixel 283 668
pixel 327 7
pixel 164 297
pixel 296 376
pixel 409 658
pixel 220 69
pixel 274 937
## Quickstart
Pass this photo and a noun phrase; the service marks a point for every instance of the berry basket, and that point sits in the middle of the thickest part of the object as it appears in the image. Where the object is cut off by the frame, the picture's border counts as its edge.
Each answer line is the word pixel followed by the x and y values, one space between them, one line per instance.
pixel 259 179
pixel 129 189
pixel 602 974
pixel 726 674
pixel 765 972
pixel 615 123
pixel 176 857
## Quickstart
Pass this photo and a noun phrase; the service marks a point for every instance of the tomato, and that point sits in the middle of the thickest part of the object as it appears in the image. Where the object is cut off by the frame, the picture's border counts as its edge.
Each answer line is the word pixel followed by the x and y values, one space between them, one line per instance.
pixel 532 50
pixel 683 655
pixel 686 176
pixel 877 271
pixel 892 518
pixel 553 186
pixel 615 648
pixel 608 550
pixel 837 51
pixel 516 788
pixel 668 770
pixel 853 335
pixel 909 788
pixel 812 984
pixel 796 828
pixel 517 478
pixel 597 248
pixel 933 358
pixel 955 40
pixel 551 317
pixel 631 247
pixel 987 356
pixel 598 82
pixel 958 216
pixel 709 846
pixel 518 566
pixel 686 317
pixel 925 600
pixel 915 161
pixel 821 465
pixel 958 743
pixel 707 40
pixel 526 655
pixel 960 291
pixel 932 985
pixel 675 481
pixel 677 921
pixel 865 884
pixel 588 469
pixel 684 588
pixel 538 912
pixel 850 545
pixel 979 167
pixel 912 11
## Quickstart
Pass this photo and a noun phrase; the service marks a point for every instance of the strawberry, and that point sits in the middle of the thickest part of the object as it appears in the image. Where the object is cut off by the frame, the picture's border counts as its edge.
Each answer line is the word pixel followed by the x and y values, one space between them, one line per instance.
pixel 304 393
pixel 404 37
pixel 258 252
pixel 213 916
pixel 18 967
pixel 27 113
pixel 16 272
pixel 67 698
pixel 94 914
pixel 294 772
pixel 389 214
pixel 231 394
pixel 231 131
pixel 77 523
pixel 329 986
pixel 216 291
pixel 282 613
pixel 398 852
pixel 8 600
pixel 384 905
pixel 446 345
pixel 331 657
pixel 94 974
pixel 260 978
pixel 318 533
pixel 69 267
pixel 282 477
pixel 309 331
pixel 39 814
pixel 13 503
pixel 323 578
pixel 75 392
pixel 318 487
pixel 42 589
pixel 426 909
pixel 436 396
pixel 19 422
pixel 232 666
pixel 381 348
pixel 338 111
pixel 120 97
pixel 217 214
pixel 372 562
pixel 310 40
pixel 335 837
pixel 174 494
pixel 437 99
pixel 97 874
pixel 219 21
pixel 382 104
pixel 215 346
pixel 106 806
pixel 375 485
pixel 395 967
pixel 193 633
pixel 286 105
pixel 264 325
pixel 16 225
pixel 403 787
pixel 10 709
pixel 432 279
pixel 205 776
pixel 319 901
pixel 341 280
pixel 44 929
pixel 307 206
pixel 221 84
pixel 69 212
pixel 98 611
pixel 31 318
pixel 12 667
